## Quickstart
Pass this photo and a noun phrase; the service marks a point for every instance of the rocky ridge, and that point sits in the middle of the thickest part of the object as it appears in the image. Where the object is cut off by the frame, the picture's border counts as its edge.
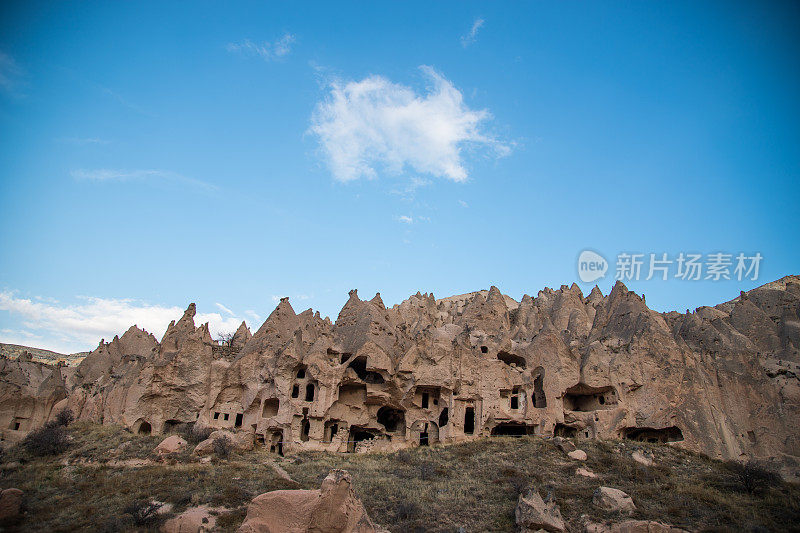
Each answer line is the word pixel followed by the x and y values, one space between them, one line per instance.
pixel 720 380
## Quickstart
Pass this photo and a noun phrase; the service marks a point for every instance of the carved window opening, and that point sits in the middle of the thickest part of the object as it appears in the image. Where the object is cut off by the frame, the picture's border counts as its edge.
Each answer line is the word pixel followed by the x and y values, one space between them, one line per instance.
pixel 238 422
pixel 295 391
pixel 310 392
pixel 216 416
pixel 271 407
pixel 305 429
pixel 425 396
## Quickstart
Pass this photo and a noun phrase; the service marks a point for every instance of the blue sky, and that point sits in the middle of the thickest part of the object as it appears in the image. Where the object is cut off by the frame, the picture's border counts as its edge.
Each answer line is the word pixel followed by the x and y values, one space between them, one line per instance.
pixel 155 154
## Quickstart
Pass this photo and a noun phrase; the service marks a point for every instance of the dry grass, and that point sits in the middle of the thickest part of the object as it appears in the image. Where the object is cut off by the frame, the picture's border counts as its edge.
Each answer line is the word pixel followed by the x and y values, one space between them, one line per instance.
pixel 473 485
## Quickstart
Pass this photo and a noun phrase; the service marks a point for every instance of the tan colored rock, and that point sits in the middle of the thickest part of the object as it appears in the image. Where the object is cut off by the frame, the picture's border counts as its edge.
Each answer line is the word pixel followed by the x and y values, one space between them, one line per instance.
pixel 632 526
pixel 642 458
pixel 612 499
pixel 172 444
pixel 333 508
pixel 241 441
pixel 533 513
pixel 565 445
pixel 577 455
pixel 431 370
pixel 10 503
pixel 193 520
pixel 585 473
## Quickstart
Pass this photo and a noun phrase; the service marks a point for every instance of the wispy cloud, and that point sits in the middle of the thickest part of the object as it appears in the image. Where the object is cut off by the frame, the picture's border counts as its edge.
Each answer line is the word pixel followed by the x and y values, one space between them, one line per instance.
pixel 10 75
pixel 374 123
pixel 462 203
pixel 68 328
pixel 106 174
pixel 83 141
pixel 469 38
pixel 405 219
pixel 268 51
pixel 224 309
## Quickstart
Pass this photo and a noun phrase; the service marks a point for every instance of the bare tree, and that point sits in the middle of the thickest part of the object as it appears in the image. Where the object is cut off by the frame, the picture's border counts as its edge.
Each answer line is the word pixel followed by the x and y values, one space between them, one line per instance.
pixel 225 339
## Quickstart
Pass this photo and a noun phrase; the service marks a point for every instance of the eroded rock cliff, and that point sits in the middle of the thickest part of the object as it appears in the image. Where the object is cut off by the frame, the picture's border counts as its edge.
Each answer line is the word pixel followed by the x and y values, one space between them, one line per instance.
pixel 720 380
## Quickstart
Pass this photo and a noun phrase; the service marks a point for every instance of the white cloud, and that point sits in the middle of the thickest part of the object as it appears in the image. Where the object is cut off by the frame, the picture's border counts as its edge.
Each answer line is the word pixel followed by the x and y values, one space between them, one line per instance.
pixel 462 203
pixel 375 123
pixel 252 314
pixel 224 309
pixel 268 51
pixel 470 36
pixel 71 328
pixel 405 219
pixel 106 174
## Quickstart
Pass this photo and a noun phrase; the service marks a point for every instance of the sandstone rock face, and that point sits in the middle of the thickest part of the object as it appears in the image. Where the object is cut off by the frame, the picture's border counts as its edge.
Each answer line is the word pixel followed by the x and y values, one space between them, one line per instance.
pixel 534 514
pixel 10 503
pixel 720 380
pixel 333 508
pixel 613 500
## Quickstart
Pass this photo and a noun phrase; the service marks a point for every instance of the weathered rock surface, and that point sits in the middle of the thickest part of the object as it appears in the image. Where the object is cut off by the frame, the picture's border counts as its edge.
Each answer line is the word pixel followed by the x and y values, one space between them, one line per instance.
pixel 720 380
pixel 333 508
pixel 534 514
pixel 171 444
pixel 612 499
pixel 577 455
pixel 11 503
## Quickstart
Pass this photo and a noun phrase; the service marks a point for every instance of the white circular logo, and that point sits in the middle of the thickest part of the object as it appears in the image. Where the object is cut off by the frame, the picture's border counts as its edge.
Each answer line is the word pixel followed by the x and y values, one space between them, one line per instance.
pixel 591 266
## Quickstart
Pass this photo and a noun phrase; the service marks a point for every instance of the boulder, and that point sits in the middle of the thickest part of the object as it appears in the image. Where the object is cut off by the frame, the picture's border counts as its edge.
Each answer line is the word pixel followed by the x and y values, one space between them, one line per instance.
pixel 242 442
pixel 171 444
pixel 10 503
pixel 564 445
pixel 533 513
pixel 642 458
pixel 578 455
pixel 333 508
pixel 632 526
pixel 193 520
pixel 612 499
pixel 585 473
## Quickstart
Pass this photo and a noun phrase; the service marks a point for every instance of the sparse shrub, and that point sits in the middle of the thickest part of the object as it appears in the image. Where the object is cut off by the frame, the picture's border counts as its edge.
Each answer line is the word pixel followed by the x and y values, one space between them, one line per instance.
pixel 403 456
pixel 753 477
pixel 406 510
pixel 65 417
pixel 142 512
pixel 196 434
pixel 50 439
pixel 427 471
pixel 222 447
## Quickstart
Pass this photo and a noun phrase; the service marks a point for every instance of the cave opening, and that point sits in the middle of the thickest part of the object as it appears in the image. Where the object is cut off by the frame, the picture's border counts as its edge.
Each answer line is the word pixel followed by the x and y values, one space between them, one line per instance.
pixel 510 358
pixel 469 421
pixel 392 419
pixel 585 398
pixel 512 429
pixel 654 435
pixel 144 428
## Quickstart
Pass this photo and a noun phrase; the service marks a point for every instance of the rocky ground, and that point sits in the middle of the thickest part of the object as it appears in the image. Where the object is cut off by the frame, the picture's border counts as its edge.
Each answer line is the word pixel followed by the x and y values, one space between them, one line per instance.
pixel 109 479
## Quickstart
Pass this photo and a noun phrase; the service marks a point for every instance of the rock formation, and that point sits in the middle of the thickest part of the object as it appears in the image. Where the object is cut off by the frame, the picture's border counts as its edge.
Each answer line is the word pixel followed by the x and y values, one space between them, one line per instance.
pixel 720 380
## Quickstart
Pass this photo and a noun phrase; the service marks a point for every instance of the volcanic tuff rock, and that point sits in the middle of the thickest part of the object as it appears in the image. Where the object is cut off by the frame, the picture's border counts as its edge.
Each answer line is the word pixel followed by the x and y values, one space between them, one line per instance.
pixel 720 380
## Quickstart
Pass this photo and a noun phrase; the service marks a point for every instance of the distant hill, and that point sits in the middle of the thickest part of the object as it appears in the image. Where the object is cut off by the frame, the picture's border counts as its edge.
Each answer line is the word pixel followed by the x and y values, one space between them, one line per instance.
pixel 13 351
